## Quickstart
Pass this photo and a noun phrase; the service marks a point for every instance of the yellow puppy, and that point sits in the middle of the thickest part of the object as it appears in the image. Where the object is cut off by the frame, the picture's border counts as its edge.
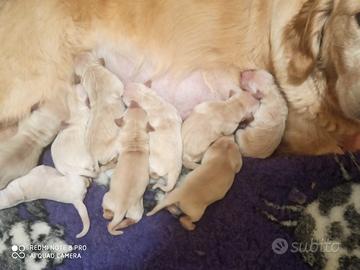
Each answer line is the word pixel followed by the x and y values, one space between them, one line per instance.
pixel 69 151
pixel 105 91
pixel 211 120
pixel 263 135
pixel 131 175
pixel 21 151
pixel 44 182
pixel 206 184
pixel 165 142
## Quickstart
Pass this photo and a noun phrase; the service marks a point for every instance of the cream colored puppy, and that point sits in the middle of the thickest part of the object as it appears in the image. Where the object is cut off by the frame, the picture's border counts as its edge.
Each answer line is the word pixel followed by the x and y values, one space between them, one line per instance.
pixel 44 182
pixel 206 184
pixel 69 151
pixel 21 151
pixel 105 91
pixel 131 175
pixel 211 120
pixel 263 135
pixel 165 142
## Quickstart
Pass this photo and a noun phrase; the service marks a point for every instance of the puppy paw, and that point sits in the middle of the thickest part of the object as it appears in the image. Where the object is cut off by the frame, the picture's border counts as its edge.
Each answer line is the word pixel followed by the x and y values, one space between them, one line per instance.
pixel 187 223
pixel 87 182
pixel 108 214
pixel 114 232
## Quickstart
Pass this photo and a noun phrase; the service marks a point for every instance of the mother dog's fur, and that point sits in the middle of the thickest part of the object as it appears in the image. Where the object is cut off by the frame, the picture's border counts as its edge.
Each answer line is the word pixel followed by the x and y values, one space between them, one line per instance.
pixel 39 39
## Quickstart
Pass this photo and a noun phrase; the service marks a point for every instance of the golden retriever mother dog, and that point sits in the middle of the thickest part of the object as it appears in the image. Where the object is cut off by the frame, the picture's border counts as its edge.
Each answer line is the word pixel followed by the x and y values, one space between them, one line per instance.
pixel 311 47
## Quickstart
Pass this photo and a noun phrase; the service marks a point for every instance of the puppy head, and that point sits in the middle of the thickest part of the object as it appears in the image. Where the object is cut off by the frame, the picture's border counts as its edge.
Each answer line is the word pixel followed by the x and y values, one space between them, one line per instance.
pixel 326 34
pixel 84 59
pixel 135 118
pixel 137 92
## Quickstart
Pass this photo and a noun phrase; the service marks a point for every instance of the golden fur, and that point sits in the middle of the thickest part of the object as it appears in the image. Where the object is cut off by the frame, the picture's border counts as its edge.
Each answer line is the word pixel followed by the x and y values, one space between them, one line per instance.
pixel 105 91
pixel 39 39
pixel 165 142
pixel 123 203
pixel 21 151
pixel 211 120
pixel 263 135
pixel 206 184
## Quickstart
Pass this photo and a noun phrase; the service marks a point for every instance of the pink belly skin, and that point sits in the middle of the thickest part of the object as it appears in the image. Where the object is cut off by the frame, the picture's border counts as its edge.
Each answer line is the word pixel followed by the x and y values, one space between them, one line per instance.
pixel 185 92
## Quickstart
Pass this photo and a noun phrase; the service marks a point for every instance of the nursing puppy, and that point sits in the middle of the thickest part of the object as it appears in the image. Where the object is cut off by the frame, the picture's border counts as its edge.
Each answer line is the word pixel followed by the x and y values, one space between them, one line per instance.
pixel 69 151
pixel 206 184
pixel 165 142
pixel 211 120
pixel 263 135
pixel 105 91
pixel 131 175
pixel 20 152
pixel 45 182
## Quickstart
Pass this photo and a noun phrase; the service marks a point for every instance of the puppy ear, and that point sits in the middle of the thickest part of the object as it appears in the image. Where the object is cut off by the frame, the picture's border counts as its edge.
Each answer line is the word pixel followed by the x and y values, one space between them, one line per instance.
pixel 148 83
pixel 232 93
pixel 134 104
pixel 102 61
pixel 120 122
pixel 303 36
pixel 64 125
pixel 149 128
pixel 77 79
pixel 35 107
pixel 87 102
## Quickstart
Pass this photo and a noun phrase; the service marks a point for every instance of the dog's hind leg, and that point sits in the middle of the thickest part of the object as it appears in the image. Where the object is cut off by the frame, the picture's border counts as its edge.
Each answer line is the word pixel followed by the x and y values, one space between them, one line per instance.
pixel 192 215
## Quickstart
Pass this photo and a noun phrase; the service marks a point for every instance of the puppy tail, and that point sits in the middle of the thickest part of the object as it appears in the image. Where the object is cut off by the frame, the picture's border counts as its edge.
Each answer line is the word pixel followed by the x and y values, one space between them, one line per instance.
pixel 81 208
pixel 168 200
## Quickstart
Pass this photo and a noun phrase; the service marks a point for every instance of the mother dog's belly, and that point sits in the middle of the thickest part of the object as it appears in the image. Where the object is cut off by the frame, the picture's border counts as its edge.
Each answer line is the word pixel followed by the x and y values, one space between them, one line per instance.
pixel 184 91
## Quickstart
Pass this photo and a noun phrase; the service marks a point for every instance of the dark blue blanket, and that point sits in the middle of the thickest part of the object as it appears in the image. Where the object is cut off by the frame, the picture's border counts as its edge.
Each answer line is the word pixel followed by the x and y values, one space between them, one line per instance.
pixel 233 234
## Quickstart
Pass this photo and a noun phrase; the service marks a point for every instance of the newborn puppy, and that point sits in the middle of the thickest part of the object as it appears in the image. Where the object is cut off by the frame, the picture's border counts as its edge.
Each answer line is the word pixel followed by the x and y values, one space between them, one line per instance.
pixel 165 142
pixel 45 182
pixel 206 184
pixel 69 151
pixel 21 151
pixel 263 135
pixel 105 91
pixel 131 175
pixel 211 120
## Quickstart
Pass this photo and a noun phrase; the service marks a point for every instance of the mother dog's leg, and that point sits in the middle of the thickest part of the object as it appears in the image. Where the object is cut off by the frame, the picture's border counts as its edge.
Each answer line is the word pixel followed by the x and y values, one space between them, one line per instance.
pixel 20 152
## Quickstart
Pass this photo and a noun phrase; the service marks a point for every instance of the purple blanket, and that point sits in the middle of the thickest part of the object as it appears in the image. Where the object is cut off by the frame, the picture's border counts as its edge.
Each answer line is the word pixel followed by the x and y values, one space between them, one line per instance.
pixel 233 234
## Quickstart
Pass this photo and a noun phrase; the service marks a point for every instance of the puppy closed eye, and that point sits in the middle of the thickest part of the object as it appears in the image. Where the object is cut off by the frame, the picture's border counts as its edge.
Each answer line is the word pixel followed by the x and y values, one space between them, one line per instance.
pixel 357 18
